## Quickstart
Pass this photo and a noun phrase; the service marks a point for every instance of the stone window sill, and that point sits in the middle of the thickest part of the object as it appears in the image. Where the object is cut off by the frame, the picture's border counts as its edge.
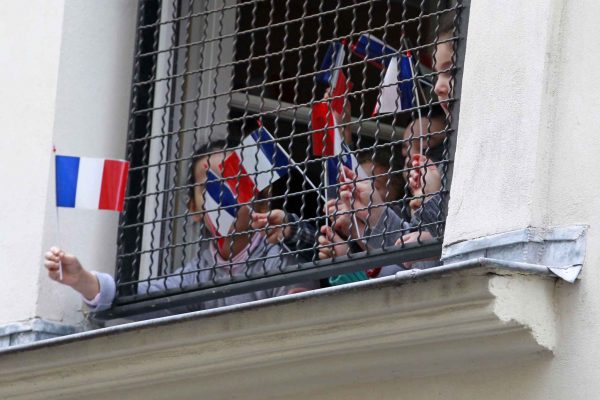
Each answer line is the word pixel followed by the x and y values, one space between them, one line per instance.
pixel 369 331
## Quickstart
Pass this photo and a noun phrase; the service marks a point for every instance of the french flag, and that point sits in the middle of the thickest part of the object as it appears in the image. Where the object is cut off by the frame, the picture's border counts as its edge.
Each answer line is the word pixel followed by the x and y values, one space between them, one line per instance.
pixel 397 87
pixel 374 50
pixel 335 52
pixel 237 177
pixel 220 205
pixel 254 166
pixel 348 159
pixel 333 76
pixel 91 183
pixel 323 126
pixel 328 141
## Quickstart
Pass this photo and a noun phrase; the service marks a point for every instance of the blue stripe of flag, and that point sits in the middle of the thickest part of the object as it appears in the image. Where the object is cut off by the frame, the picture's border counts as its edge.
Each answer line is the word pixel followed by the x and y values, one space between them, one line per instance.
pixel 332 171
pixel 67 169
pixel 346 158
pixel 333 50
pixel 406 88
pixel 220 193
pixel 275 155
pixel 372 47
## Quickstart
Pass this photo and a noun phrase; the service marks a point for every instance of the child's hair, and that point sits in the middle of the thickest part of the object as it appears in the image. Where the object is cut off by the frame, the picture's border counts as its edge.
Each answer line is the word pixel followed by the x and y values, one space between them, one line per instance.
pixel 435 113
pixel 447 25
pixel 389 157
pixel 199 153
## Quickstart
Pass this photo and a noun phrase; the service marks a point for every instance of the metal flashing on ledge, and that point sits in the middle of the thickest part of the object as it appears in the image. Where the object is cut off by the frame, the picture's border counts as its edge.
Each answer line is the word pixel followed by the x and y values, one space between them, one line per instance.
pixel 36 329
pixel 568 273
pixel 559 250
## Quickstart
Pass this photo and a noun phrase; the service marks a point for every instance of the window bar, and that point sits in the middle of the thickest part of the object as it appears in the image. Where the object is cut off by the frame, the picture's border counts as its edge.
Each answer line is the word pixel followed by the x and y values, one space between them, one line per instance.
pixel 207 61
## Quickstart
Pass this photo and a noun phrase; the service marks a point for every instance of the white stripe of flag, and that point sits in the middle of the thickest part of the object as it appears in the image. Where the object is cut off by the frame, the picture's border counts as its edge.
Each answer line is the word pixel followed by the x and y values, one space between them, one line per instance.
pixel 256 163
pixel 89 182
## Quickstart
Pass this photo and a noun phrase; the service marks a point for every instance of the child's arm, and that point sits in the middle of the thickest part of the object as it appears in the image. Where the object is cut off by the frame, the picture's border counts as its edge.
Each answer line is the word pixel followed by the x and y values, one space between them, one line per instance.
pixel 415 237
pixel 97 289
pixel 297 235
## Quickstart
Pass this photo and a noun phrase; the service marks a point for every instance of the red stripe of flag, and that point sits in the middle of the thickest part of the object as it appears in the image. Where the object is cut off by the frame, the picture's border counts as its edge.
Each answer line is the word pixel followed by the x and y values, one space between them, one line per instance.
pixel 319 115
pixel 242 186
pixel 114 182
pixel 342 86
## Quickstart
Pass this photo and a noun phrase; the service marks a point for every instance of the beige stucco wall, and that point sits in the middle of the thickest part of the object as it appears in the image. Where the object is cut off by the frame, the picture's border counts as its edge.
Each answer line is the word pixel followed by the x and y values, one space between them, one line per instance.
pixel 28 82
pixel 64 82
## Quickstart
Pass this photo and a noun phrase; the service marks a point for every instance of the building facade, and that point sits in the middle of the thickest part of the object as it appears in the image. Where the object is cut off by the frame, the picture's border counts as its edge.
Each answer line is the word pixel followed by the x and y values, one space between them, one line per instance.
pixel 511 313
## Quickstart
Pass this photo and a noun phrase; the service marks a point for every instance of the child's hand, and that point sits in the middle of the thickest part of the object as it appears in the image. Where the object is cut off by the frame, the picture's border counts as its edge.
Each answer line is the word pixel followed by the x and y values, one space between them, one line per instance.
pixel 424 179
pixel 70 266
pixel 359 195
pixel 74 274
pixel 412 238
pixel 273 218
pixel 337 209
pixel 327 238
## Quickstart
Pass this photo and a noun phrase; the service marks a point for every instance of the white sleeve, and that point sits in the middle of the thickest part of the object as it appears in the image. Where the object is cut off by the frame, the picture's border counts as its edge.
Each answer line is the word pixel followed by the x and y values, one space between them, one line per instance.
pixel 105 296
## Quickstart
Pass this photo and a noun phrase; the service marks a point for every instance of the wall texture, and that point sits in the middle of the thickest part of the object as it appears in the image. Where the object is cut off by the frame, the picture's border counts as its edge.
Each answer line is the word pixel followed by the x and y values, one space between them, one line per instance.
pixel 66 84
pixel 509 65
pixel 28 82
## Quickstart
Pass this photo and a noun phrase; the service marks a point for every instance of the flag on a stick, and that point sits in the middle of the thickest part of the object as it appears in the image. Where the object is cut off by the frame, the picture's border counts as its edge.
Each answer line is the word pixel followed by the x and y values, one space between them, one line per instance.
pixel 328 141
pixel 375 50
pixel 332 75
pixel 335 52
pixel 90 183
pixel 219 204
pixel 397 87
pixel 258 163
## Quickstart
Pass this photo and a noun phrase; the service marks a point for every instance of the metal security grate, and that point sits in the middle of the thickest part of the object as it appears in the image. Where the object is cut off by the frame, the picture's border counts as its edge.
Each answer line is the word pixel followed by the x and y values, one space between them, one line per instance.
pixel 278 146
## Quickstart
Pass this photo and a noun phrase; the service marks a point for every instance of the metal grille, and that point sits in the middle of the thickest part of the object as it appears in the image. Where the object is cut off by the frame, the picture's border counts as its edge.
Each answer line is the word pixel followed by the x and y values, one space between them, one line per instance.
pixel 211 75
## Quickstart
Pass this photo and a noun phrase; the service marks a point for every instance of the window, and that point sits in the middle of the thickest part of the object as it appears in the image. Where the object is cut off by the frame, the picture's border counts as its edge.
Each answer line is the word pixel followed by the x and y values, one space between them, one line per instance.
pixel 280 95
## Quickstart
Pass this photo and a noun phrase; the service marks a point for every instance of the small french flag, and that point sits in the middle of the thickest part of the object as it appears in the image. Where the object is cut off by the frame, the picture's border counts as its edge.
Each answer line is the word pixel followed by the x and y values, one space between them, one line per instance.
pixel 237 177
pixel 348 159
pixel 328 141
pixel 397 87
pixel 220 205
pixel 322 123
pixel 333 76
pixel 335 53
pixel 91 183
pixel 261 158
pixel 374 50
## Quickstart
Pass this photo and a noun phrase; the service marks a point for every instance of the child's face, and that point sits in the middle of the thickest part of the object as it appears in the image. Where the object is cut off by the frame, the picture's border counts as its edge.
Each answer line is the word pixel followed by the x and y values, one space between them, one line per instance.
pixel 443 61
pixel 380 184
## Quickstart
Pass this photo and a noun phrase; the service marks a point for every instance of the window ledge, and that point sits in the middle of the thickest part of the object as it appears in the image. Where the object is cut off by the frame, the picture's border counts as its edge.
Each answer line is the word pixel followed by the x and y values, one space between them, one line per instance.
pixel 369 331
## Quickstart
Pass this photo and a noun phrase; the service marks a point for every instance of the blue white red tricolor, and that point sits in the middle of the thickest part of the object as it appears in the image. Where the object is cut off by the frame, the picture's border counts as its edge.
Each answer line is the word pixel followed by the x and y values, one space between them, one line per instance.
pixel 254 166
pixel 397 87
pixel 328 141
pixel 91 183
pixel 220 205
pixel 332 75
pixel 375 50
pixel 333 58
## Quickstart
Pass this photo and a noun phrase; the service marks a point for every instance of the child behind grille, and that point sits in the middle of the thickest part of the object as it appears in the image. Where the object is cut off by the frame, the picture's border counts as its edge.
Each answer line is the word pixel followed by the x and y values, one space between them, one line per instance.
pixel 381 219
pixel 244 254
